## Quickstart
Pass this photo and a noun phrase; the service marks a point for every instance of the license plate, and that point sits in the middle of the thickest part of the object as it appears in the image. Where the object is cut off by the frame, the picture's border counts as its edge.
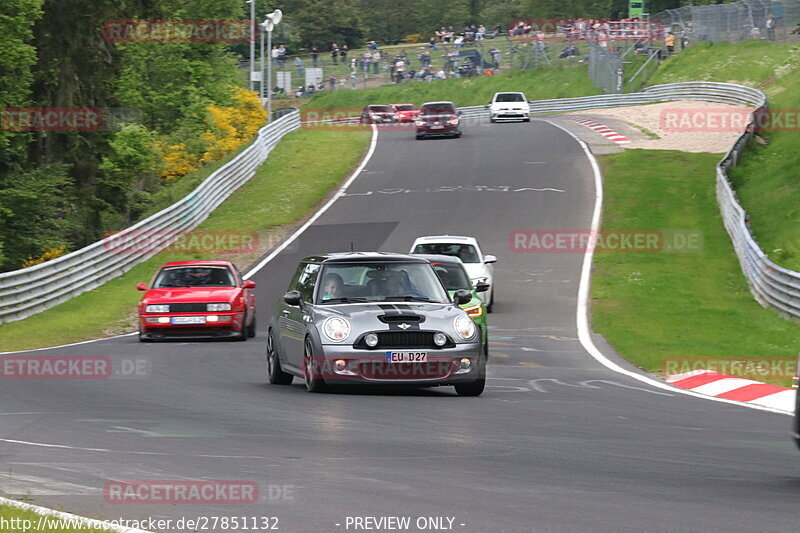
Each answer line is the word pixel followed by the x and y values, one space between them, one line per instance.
pixel 437 127
pixel 406 357
pixel 188 320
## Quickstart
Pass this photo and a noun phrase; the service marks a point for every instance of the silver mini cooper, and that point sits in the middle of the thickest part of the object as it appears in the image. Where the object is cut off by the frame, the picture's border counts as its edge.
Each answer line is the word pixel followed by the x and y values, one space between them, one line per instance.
pixel 359 318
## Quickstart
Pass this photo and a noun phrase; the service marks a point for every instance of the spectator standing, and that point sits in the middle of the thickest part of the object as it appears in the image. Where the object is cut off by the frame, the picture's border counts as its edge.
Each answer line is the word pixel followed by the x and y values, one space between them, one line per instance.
pixel 343 52
pixel 314 56
pixel 353 76
pixel 432 43
pixel 480 33
pixel 669 41
pixel 281 56
pixel 770 25
pixel 376 59
pixel 366 59
pixel 495 53
pixel 332 82
pixel 335 53
pixel 298 63
pixel 274 55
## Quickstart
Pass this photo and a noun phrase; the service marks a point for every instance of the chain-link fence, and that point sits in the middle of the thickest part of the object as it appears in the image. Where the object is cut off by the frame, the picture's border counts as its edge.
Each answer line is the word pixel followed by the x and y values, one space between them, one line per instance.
pixel 738 21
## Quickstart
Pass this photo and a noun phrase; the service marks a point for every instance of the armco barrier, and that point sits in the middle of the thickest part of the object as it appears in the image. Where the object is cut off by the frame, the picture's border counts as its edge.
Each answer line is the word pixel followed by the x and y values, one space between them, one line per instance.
pixel 772 285
pixel 31 290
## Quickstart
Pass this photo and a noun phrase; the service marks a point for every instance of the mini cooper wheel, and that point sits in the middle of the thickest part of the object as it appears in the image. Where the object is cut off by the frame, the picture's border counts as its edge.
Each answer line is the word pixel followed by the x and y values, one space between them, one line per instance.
pixel 474 388
pixel 314 382
pixel 276 375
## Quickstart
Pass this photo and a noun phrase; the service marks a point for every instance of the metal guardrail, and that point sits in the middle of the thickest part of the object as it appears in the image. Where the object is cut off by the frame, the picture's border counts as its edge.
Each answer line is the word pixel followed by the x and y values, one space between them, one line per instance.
pixel 771 285
pixel 31 290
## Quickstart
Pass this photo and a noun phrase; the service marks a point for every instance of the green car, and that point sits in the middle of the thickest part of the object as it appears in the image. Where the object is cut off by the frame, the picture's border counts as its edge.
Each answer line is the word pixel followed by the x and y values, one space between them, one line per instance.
pixel 454 276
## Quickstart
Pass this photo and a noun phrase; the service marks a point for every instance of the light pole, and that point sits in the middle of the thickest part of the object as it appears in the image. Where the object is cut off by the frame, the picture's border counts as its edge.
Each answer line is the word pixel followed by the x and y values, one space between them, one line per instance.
pixel 252 40
pixel 268 25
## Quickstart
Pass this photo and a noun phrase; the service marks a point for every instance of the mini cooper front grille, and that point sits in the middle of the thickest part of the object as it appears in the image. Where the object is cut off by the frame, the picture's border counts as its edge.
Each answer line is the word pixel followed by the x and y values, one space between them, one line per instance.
pixel 393 319
pixel 188 308
pixel 403 339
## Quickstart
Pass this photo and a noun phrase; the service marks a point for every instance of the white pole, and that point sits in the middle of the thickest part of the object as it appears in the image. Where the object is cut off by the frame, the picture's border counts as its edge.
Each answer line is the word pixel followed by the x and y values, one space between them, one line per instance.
pixel 252 41
pixel 269 77
pixel 261 81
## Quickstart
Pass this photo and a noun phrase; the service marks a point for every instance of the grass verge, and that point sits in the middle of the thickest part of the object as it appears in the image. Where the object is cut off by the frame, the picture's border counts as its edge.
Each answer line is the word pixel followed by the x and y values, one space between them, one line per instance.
pixel 22 521
pixel 766 180
pixel 298 174
pixel 665 306
pixel 537 84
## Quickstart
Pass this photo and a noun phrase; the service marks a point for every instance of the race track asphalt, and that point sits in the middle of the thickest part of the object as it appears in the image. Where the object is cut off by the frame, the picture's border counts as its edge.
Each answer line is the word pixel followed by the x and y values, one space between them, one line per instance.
pixel 557 443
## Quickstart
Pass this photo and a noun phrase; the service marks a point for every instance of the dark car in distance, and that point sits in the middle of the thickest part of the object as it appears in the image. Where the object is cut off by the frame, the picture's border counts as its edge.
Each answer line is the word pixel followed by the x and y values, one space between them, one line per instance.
pixel 374 318
pixel 438 119
pixel 378 114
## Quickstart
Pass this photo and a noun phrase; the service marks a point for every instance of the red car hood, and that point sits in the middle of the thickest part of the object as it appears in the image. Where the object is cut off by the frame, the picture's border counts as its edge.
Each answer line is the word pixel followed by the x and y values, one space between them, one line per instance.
pixel 191 294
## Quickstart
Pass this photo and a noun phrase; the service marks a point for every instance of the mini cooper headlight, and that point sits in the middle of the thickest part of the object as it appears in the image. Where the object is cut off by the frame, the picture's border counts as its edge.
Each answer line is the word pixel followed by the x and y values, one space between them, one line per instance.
pixel 162 308
pixel 464 326
pixel 371 339
pixel 218 307
pixel 336 329
pixel 439 338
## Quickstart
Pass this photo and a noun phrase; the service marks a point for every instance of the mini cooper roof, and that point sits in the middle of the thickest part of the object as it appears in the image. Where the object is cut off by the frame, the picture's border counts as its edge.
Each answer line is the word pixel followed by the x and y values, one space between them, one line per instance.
pixel 364 257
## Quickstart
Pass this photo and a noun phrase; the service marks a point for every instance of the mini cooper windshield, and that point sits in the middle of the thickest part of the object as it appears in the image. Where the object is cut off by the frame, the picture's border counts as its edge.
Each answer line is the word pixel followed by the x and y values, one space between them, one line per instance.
pixel 379 282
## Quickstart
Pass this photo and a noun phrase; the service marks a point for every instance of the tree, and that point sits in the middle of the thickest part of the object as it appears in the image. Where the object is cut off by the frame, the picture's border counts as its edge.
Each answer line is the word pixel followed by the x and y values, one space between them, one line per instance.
pixel 323 22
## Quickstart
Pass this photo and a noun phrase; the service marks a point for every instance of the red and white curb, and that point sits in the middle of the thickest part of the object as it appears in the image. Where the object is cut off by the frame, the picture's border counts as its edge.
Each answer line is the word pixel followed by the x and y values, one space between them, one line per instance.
pixel 603 130
pixel 725 387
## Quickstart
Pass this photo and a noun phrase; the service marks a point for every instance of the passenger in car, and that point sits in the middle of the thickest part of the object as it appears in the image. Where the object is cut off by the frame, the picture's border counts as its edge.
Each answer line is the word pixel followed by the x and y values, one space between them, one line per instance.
pixel 332 286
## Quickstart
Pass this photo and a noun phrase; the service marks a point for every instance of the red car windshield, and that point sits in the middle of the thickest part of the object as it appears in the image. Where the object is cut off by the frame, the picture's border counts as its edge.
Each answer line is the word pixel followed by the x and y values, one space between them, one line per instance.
pixel 194 276
pixel 404 107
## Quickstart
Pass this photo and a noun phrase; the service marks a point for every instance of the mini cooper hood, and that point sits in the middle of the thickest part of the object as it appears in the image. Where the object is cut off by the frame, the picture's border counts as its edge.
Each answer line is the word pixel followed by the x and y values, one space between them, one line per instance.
pixel 190 294
pixel 367 316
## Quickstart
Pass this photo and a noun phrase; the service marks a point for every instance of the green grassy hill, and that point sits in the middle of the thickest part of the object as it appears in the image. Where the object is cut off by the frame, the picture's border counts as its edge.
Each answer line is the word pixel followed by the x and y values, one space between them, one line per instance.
pixel 768 179
pixel 543 83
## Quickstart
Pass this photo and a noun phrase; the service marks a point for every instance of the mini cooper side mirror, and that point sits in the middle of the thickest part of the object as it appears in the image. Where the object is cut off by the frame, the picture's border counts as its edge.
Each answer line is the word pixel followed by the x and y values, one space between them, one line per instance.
pixel 489 259
pixel 292 298
pixel 461 297
pixel 482 286
pixel 249 284
pixel 141 287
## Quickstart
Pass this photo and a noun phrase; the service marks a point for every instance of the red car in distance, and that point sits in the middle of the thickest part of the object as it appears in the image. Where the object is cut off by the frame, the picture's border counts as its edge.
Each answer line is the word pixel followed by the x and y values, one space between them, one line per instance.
pixel 197 299
pixel 405 112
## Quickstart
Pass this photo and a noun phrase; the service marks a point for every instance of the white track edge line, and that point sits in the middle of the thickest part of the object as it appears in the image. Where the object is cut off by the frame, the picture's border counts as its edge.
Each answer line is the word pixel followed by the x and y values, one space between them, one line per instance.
pixel 373 143
pixel 270 257
pixel 89 523
pixel 584 331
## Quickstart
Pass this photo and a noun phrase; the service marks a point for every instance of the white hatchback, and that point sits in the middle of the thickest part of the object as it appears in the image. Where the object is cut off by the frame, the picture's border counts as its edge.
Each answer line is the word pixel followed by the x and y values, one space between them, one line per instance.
pixel 479 267
pixel 509 106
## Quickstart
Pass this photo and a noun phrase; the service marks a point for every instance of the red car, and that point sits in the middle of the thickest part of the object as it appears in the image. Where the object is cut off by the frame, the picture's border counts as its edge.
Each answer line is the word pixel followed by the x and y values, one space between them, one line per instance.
pixel 405 112
pixel 197 299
